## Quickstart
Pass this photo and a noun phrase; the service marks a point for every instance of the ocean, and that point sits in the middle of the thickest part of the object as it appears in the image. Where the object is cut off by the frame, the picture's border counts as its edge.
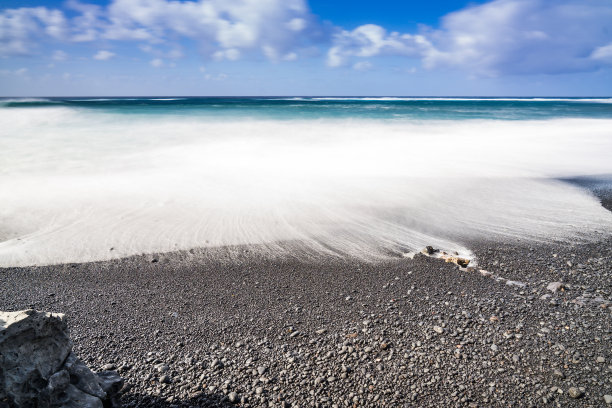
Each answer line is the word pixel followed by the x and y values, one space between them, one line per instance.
pixel 88 179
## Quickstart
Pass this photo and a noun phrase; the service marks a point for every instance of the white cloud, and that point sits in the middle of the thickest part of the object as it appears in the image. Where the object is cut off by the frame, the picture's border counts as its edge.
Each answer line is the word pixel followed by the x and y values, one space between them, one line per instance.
pixel 224 29
pixel 231 54
pixel 496 38
pixel 104 55
pixel 603 53
pixel 59 55
pixel 157 63
pixel 21 28
pixel 371 40
pixel 217 77
pixel 524 37
pixel 297 24
pixel 362 66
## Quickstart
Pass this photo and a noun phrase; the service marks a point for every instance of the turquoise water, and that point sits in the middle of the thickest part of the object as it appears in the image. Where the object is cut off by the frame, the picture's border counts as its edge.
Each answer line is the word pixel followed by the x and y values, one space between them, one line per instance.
pixel 328 107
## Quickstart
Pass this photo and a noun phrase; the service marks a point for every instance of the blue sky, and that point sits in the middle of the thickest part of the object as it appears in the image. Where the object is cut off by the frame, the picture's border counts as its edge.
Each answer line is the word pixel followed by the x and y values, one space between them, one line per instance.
pixel 299 47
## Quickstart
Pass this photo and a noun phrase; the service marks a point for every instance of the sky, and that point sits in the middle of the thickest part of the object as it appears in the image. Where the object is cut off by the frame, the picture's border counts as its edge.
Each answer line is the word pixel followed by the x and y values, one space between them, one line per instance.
pixel 300 47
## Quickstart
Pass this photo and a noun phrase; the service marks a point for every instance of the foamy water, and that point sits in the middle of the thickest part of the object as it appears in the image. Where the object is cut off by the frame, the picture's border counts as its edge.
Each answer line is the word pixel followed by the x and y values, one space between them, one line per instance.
pixel 80 184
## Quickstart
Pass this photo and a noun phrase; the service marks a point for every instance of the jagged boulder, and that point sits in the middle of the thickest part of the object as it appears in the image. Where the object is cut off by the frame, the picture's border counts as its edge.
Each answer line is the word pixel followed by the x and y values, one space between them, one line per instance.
pixel 39 369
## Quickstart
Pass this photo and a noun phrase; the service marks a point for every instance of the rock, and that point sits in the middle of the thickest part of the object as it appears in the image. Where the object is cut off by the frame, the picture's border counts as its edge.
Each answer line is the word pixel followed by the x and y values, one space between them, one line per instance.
pixel 232 396
pixel 608 399
pixel 108 367
pixel 261 370
pixel 110 382
pixel 575 393
pixel 165 379
pixel 601 359
pixel 438 329
pixel 79 399
pixel 462 262
pixel 82 377
pixel 33 346
pixel 38 368
pixel 429 250
pixel 555 286
pixel 558 373
pixel 259 390
pixel 516 283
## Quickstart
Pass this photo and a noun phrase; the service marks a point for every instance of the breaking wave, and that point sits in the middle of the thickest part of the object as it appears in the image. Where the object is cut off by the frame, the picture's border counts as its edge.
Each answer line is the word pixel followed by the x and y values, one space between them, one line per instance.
pixel 77 185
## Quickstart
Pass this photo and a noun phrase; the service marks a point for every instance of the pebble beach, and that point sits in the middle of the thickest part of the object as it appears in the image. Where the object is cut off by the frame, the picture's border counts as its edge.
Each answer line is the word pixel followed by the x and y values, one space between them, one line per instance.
pixel 529 326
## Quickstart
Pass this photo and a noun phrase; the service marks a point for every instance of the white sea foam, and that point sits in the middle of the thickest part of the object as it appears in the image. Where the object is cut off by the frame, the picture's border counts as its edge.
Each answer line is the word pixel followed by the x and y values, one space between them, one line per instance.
pixel 76 183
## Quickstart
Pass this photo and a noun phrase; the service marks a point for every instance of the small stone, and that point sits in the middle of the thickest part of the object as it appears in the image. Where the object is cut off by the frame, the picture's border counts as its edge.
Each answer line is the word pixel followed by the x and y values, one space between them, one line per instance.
pixel 438 329
pixel 321 331
pixel 601 359
pixel 494 348
pixel 232 396
pixel 259 390
pixel 108 367
pixel 261 370
pixel 555 286
pixel 164 379
pixel 558 373
pixel 608 399
pixel 429 250
pixel 575 393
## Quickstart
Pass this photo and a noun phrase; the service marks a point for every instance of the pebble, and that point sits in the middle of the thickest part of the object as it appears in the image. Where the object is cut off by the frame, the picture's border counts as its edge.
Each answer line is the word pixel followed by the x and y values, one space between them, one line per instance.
pixel 232 396
pixel 608 399
pixel 555 286
pixel 435 337
pixel 558 373
pixel 575 393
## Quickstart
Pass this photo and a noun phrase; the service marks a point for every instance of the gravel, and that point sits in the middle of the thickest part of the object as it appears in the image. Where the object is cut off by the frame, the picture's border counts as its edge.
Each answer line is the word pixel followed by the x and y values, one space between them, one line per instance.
pixel 229 327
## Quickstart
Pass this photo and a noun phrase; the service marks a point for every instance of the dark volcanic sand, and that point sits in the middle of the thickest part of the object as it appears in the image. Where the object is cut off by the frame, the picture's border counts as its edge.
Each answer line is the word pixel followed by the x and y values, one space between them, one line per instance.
pixel 204 329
